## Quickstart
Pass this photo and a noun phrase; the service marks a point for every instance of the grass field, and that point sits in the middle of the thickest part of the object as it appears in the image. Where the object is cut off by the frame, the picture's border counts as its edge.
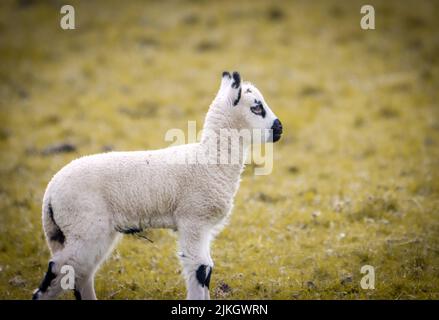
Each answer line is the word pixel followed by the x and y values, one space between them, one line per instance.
pixel 356 174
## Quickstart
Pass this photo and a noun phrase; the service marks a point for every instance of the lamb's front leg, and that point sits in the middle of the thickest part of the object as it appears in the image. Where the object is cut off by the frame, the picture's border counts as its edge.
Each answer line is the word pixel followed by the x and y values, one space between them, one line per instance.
pixel 196 261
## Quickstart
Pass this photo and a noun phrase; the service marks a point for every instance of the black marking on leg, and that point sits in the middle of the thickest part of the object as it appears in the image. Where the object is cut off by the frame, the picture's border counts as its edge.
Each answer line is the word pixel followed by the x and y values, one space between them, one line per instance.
pixel 227 74
pixel 207 282
pixel 56 235
pixel 201 275
pixel 238 98
pixel 48 277
pixel 36 295
pixel 77 294
pixel 236 80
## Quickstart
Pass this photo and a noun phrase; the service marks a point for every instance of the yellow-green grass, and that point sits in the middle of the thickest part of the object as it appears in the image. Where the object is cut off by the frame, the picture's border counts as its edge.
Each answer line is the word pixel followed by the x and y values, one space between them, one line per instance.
pixel 355 179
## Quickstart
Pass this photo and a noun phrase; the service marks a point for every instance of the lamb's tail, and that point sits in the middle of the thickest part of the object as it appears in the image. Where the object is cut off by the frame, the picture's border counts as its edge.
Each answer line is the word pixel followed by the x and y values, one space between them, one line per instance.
pixel 55 236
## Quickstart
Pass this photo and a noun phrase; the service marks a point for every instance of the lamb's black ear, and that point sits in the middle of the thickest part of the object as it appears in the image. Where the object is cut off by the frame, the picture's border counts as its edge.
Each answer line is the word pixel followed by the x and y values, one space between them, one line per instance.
pixel 236 87
pixel 226 74
pixel 236 80
pixel 226 80
pixel 231 87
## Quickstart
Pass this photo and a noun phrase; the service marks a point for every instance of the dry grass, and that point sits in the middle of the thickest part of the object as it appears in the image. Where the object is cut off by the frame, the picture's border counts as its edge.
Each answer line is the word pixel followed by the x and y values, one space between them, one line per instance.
pixel 356 177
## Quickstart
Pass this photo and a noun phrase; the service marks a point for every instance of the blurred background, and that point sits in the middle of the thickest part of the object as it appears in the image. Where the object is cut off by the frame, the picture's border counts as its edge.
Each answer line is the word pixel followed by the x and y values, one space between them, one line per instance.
pixel 355 179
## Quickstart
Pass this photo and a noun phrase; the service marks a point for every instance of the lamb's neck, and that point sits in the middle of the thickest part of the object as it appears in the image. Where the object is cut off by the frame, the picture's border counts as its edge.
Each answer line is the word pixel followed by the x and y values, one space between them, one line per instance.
pixel 217 119
pixel 225 163
pixel 226 148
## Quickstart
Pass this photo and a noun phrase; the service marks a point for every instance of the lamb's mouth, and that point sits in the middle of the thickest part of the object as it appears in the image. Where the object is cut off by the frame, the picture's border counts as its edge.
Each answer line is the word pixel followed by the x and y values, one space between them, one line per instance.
pixel 276 136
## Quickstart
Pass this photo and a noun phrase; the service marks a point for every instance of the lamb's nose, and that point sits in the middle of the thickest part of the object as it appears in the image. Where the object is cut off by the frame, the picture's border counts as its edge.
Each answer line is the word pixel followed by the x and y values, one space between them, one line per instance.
pixel 277 126
pixel 277 130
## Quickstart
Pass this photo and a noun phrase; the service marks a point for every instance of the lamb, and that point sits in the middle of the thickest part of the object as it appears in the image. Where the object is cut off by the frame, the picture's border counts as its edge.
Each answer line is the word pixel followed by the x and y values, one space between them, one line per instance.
pixel 95 199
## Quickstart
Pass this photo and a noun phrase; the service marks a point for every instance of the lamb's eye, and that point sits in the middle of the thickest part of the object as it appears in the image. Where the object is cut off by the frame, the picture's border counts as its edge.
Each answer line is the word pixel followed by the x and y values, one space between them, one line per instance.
pixel 258 109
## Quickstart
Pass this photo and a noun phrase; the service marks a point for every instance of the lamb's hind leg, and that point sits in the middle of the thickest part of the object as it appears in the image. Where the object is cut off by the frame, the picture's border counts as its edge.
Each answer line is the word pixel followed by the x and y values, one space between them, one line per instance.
pixel 196 261
pixel 84 257
pixel 91 255
pixel 52 284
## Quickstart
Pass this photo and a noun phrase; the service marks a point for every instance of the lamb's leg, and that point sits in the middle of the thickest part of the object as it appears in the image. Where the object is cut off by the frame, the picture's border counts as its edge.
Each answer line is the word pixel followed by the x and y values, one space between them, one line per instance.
pixel 84 289
pixel 49 288
pixel 84 257
pixel 196 261
pixel 88 259
pixel 83 270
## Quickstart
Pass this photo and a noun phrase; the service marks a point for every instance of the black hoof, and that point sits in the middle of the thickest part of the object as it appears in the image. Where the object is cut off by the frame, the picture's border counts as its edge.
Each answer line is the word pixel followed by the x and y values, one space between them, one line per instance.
pixel 36 295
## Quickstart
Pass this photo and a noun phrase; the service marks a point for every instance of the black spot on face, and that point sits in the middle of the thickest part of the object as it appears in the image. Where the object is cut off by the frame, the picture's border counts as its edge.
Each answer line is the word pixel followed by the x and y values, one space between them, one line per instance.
pixel 248 91
pixel 258 109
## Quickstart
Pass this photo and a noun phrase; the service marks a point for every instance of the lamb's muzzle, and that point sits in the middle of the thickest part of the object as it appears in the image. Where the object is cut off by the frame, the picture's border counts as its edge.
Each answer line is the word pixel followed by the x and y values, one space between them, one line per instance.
pixel 277 130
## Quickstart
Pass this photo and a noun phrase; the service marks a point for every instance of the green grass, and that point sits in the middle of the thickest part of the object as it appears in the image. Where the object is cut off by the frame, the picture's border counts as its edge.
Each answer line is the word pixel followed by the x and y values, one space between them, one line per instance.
pixel 355 177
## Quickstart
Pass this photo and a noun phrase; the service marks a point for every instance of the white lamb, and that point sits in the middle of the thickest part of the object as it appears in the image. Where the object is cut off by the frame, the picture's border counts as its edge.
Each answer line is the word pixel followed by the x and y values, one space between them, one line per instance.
pixel 93 200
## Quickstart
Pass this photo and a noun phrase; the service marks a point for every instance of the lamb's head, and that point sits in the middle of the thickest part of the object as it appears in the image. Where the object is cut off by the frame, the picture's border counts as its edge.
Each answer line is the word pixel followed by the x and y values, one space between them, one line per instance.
pixel 246 108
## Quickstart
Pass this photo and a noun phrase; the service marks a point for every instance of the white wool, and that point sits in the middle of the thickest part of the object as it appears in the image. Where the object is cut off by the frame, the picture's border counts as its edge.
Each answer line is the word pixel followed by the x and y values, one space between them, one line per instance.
pixel 95 198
